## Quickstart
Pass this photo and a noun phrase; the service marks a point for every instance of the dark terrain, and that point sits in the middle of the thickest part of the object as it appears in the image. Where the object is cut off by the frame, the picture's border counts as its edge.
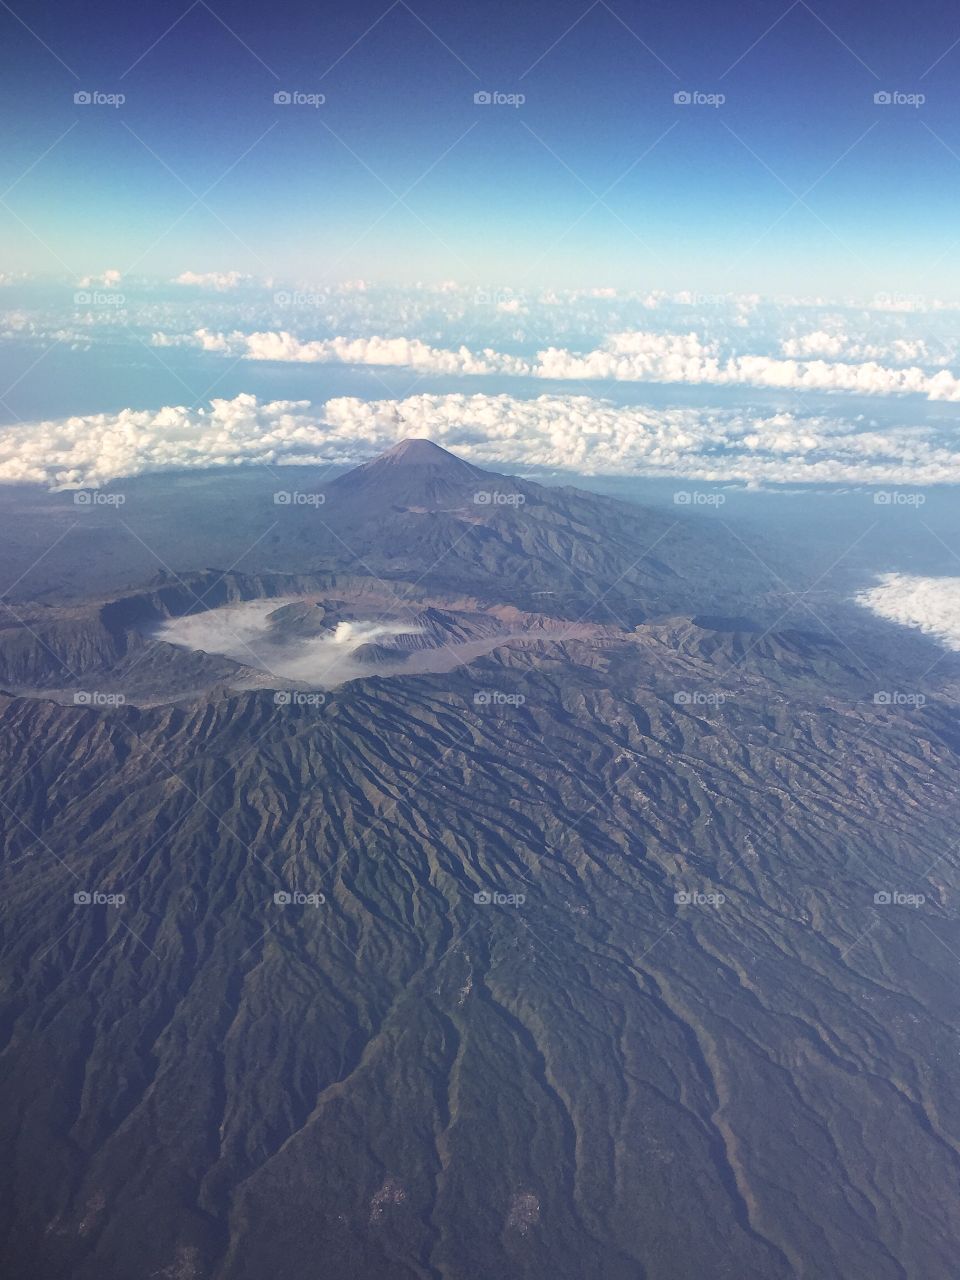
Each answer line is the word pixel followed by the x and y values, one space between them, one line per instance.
pixel 684 1039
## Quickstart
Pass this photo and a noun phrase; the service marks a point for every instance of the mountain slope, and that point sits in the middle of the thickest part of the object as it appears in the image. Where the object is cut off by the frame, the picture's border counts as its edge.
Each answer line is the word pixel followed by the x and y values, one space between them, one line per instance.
pixel 413 473
pixel 419 509
pixel 623 951
pixel 199 1072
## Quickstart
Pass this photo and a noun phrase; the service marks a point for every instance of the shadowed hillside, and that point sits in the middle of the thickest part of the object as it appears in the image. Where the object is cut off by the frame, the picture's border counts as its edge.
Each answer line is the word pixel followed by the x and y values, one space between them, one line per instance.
pixel 624 948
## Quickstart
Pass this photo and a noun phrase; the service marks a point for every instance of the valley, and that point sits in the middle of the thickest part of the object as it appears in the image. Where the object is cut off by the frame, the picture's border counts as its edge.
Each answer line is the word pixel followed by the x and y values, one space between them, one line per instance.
pixel 533 941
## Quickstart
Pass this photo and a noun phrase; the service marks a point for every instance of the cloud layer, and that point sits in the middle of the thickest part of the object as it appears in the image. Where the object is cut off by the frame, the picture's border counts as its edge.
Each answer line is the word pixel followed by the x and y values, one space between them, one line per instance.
pixel 892 345
pixel 218 280
pixel 630 356
pixel 932 605
pixel 243 633
pixel 580 434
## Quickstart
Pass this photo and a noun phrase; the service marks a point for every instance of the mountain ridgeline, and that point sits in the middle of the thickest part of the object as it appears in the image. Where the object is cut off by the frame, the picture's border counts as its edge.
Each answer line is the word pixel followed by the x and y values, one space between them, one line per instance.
pixel 588 918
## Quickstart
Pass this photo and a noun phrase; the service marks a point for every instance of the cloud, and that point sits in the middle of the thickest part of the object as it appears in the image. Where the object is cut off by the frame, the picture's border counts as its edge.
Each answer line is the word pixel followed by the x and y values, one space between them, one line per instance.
pixel 204 339
pixel 819 343
pixel 894 345
pixel 640 356
pixel 95 449
pixel 400 352
pixel 408 353
pixel 593 436
pixel 580 434
pixel 628 356
pixel 931 605
pixel 109 278
pixel 839 345
pixel 635 356
pixel 218 280
pixel 243 632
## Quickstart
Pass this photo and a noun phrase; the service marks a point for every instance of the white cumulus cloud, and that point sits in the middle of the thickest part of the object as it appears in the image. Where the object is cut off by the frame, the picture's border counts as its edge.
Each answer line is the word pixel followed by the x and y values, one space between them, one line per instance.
pixel 109 277
pixel 931 605
pixel 628 356
pixel 218 280
pixel 575 433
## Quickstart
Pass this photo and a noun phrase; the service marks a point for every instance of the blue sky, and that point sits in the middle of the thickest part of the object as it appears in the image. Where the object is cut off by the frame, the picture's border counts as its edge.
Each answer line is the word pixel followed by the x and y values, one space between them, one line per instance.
pixel 692 196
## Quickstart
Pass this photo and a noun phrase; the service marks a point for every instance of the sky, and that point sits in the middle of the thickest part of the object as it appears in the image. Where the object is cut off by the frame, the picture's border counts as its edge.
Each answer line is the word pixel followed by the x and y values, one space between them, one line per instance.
pixel 712 248
pixel 709 243
pixel 780 175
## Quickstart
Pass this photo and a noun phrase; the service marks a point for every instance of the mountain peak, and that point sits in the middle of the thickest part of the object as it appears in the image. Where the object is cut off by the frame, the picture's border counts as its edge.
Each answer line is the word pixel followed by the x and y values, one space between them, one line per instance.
pixel 418 451
pixel 414 473
pixel 419 456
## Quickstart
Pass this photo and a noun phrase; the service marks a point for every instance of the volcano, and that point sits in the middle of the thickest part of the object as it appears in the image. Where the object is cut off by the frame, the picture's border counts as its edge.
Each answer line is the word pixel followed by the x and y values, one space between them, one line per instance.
pixel 416 474
pixel 621 948
pixel 419 506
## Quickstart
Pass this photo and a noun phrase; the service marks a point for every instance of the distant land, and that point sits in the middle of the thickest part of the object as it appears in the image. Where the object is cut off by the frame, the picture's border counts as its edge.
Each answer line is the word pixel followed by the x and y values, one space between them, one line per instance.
pixel 497 885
